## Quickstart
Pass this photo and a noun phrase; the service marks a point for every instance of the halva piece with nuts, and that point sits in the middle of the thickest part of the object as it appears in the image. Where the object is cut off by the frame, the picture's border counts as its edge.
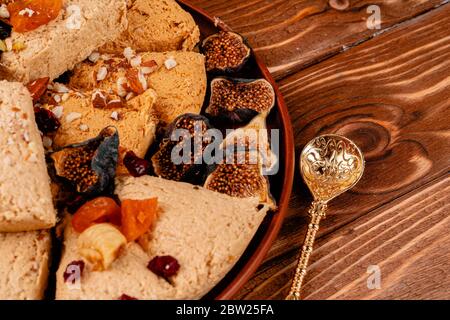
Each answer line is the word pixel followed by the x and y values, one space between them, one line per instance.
pixel 82 118
pixel 81 26
pixel 178 78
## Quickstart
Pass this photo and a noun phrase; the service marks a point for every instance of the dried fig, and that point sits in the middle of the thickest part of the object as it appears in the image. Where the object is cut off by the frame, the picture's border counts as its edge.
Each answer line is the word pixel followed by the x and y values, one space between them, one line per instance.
pixel 225 52
pixel 237 101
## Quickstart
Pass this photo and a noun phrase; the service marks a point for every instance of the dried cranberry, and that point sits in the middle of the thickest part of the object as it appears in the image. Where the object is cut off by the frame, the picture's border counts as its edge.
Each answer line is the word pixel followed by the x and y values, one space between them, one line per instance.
pixel 5 30
pixel 75 202
pixel 164 266
pixel 46 120
pixel 73 269
pixel 136 166
pixel 127 297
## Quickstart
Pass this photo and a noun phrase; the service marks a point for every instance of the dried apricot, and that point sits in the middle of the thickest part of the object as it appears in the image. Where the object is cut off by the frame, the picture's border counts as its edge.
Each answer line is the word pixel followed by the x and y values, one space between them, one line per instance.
pixel 27 15
pixel 137 217
pixel 98 210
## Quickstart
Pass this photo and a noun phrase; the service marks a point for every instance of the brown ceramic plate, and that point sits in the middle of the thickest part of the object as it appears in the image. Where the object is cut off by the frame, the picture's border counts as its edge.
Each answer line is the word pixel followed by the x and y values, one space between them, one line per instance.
pixel 281 184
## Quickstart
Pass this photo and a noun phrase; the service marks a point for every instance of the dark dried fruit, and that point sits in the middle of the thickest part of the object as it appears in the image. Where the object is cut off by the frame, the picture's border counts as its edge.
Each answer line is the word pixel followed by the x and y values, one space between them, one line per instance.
pixel 127 297
pixel 74 202
pixel 46 120
pixel 225 52
pixel 237 101
pixel 247 159
pixel 136 166
pixel 252 143
pixel 240 181
pixel 5 30
pixel 74 271
pixel 37 88
pixel 188 165
pixel 64 78
pixel 164 266
pixel 90 166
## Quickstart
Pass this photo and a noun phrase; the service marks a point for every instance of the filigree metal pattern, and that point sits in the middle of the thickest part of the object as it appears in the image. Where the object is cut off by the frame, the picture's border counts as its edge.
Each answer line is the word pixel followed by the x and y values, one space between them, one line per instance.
pixel 330 165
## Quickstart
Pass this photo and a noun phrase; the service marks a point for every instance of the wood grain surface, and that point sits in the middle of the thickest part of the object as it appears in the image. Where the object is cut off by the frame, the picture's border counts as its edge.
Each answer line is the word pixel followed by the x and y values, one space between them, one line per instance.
pixel 292 34
pixel 407 240
pixel 390 93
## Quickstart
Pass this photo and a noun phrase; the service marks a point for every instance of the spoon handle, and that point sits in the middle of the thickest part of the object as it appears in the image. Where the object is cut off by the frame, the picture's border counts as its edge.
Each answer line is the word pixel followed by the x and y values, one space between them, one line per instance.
pixel 317 212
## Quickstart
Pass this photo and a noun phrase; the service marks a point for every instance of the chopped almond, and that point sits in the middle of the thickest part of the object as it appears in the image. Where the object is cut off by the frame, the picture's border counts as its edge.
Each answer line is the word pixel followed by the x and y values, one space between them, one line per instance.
pixel 98 100
pixel 134 83
pixel 115 104
pixel 37 88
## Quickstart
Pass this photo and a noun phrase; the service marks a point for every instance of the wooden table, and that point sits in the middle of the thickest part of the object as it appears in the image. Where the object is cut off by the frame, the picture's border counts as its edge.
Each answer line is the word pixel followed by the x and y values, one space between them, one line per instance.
pixel 389 90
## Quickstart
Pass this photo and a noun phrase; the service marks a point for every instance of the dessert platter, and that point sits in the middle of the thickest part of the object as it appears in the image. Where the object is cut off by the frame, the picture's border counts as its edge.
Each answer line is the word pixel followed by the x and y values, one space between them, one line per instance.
pixel 146 153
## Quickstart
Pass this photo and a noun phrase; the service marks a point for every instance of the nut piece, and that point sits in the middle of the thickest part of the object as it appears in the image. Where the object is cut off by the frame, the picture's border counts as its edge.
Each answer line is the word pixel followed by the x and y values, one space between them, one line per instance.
pixel 101 245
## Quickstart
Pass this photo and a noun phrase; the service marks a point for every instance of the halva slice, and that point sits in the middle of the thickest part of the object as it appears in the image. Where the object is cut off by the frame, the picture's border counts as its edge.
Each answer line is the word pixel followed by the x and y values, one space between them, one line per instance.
pixel 82 120
pixel 24 265
pixel 48 51
pixel 25 197
pixel 204 233
pixel 179 79
pixel 156 25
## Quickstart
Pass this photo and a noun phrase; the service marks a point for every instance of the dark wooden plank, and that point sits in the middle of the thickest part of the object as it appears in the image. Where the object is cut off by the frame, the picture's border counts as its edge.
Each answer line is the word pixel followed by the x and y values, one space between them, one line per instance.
pixel 407 241
pixel 291 34
pixel 392 96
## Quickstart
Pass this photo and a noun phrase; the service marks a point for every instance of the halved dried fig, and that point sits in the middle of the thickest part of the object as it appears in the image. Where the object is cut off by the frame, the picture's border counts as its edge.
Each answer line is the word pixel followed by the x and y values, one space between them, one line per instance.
pixel 240 181
pixel 239 100
pixel 247 158
pixel 90 166
pixel 225 52
pixel 251 144
pixel 177 157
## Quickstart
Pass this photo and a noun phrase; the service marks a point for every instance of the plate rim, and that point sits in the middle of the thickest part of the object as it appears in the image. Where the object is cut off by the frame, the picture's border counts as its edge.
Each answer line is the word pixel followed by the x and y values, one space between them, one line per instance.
pixel 259 254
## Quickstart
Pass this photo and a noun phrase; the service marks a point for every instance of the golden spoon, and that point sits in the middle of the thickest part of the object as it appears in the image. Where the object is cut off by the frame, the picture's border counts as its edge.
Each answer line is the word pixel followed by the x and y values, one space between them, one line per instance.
pixel 330 165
